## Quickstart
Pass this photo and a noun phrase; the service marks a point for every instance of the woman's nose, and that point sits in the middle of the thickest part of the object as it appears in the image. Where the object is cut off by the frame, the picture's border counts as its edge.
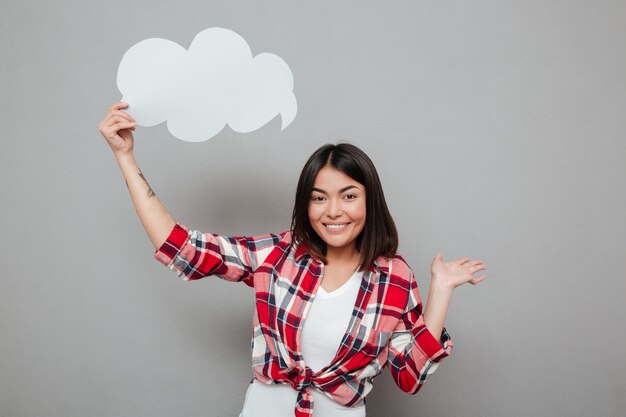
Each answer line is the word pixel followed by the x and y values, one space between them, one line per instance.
pixel 334 208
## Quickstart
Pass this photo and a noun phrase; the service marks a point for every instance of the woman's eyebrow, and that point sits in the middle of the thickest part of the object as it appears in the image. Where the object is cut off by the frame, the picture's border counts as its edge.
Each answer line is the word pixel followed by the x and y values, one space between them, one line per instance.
pixel 340 191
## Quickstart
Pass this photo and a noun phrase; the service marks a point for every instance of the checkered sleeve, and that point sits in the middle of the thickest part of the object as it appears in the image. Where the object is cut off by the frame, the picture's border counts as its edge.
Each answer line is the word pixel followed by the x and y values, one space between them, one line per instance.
pixel 197 255
pixel 414 353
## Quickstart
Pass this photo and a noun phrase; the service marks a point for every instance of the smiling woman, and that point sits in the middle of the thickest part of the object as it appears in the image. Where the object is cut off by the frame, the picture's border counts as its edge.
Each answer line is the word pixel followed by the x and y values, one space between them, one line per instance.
pixel 337 216
pixel 338 188
pixel 337 212
pixel 334 302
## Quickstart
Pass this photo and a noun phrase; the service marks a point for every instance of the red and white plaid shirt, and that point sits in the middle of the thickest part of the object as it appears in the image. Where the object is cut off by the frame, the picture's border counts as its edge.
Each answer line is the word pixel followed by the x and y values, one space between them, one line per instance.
pixel 386 328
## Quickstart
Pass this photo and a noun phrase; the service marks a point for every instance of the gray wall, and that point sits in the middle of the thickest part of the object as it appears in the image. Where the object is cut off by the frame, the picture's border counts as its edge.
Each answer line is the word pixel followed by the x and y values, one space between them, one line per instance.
pixel 498 131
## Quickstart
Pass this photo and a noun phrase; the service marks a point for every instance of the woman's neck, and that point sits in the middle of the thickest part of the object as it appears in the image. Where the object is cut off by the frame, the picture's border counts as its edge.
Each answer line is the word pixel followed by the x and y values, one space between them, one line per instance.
pixel 342 256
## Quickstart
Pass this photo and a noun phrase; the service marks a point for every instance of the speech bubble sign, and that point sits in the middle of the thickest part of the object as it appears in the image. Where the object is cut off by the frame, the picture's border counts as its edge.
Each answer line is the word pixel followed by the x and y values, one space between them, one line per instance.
pixel 198 91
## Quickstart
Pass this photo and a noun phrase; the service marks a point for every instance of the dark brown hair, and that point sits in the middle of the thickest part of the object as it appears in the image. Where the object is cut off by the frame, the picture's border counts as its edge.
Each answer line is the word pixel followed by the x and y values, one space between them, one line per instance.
pixel 379 236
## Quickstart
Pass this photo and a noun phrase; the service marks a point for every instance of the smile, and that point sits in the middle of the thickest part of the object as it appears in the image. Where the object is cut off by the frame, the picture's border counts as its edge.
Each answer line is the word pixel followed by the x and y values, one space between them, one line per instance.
pixel 336 226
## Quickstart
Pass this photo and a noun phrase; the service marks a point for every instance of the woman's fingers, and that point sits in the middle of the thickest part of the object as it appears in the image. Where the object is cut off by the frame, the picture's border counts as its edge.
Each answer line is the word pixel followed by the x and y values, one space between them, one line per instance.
pixel 475 269
pixel 116 110
pixel 111 120
pixel 471 264
pixel 118 106
pixel 118 118
pixel 115 126
pixel 124 115
pixel 112 130
pixel 475 263
pixel 123 125
pixel 475 281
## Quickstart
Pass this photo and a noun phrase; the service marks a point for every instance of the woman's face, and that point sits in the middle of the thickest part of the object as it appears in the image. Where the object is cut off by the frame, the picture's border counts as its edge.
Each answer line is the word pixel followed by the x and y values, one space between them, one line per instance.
pixel 337 208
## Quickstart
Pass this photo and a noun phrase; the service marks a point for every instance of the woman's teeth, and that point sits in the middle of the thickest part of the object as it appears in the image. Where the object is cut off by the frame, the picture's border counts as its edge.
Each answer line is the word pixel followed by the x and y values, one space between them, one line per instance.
pixel 336 226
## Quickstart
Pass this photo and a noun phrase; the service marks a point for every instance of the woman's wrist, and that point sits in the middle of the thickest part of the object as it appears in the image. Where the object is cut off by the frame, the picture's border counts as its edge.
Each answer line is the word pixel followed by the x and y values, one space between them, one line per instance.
pixel 124 158
pixel 439 285
pixel 440 293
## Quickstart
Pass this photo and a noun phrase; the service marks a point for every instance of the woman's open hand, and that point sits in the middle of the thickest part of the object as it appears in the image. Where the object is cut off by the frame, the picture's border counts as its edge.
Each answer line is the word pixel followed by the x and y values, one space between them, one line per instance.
pixel 117 127
pixel 451 274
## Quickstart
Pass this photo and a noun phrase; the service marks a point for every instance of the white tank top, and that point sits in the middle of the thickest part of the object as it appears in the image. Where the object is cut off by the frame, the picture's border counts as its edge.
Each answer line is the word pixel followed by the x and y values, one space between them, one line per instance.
pixel 324 327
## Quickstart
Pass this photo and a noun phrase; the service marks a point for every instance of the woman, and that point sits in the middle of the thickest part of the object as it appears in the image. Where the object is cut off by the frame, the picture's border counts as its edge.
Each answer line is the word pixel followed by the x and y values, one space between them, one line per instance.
pixel 335 303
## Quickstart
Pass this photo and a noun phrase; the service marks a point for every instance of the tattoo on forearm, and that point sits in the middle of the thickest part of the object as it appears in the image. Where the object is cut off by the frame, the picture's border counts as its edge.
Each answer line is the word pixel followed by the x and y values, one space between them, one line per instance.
pixel 150 192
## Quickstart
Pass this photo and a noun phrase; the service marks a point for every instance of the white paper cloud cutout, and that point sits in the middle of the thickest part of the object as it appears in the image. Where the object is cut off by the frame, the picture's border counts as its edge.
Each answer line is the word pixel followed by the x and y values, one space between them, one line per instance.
pixel 199 91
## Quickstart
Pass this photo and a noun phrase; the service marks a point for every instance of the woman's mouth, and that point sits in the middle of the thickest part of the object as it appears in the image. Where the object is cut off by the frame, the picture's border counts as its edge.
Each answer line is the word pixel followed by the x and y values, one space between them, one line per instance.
pixel 336 226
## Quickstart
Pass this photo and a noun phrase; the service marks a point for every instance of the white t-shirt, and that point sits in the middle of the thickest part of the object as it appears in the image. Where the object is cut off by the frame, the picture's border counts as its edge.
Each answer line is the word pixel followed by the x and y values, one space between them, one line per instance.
pixel 324 327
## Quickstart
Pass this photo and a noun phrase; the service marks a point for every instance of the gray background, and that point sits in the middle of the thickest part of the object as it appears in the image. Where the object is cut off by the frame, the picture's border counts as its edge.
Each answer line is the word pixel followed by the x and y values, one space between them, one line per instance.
pixel 498 132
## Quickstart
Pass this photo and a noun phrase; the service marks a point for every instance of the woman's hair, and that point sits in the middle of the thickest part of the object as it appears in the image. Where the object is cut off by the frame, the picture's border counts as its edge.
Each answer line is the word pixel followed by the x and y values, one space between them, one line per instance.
pixel 379 236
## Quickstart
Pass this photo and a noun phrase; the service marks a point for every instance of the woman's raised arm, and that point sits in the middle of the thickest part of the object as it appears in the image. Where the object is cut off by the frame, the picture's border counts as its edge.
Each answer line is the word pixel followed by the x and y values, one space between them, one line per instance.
pixel 116 128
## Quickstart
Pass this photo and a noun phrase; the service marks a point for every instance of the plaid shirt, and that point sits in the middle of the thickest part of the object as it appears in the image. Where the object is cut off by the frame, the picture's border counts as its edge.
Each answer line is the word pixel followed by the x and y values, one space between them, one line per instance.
pixel 386 328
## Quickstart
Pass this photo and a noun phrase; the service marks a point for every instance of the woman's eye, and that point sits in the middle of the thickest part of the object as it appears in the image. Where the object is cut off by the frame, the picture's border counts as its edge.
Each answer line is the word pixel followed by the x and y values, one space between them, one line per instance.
pixel 350 196
pixel 317 198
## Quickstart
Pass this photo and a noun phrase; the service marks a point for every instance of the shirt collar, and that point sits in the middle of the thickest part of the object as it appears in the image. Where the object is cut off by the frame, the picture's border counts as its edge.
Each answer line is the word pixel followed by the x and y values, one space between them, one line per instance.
pixel 302 250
